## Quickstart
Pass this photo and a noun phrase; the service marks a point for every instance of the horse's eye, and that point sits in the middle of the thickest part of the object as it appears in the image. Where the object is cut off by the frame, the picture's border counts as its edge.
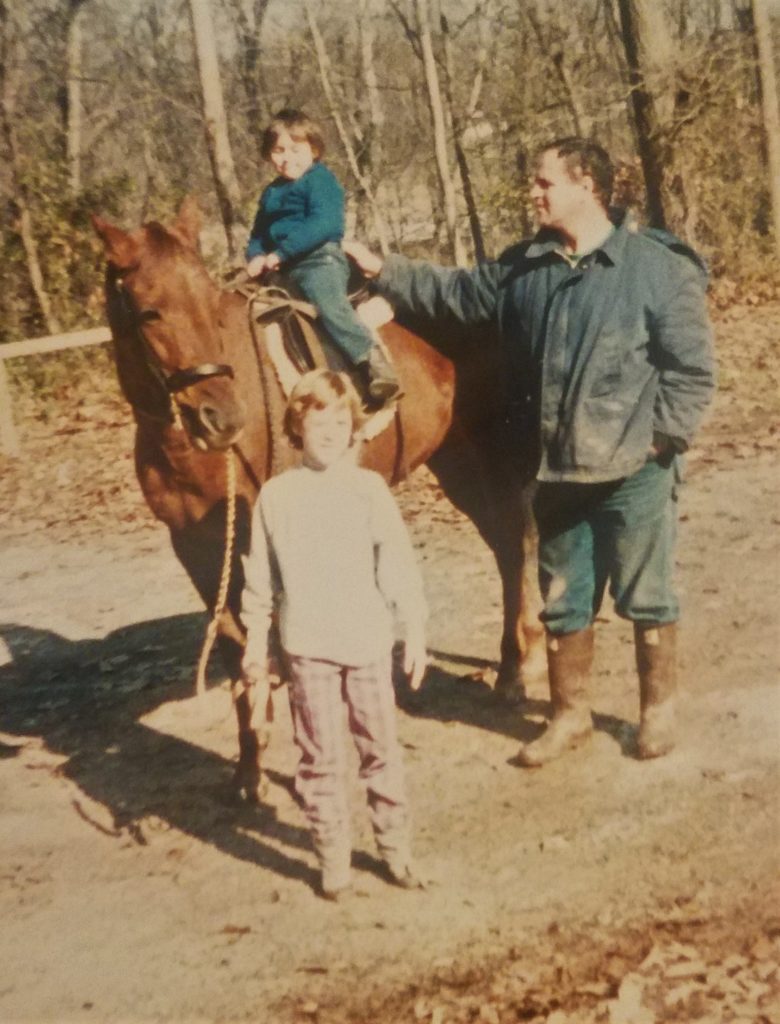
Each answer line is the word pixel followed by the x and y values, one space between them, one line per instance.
pixel 147 315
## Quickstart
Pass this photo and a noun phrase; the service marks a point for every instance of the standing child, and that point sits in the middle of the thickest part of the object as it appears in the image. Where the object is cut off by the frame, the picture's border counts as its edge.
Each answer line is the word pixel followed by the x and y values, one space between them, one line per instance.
pixel 331 554
pixel 299 226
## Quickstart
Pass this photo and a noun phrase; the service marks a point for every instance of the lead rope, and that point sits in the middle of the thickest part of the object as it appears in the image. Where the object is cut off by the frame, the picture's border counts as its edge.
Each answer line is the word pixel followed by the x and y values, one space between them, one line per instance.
pixel 219 607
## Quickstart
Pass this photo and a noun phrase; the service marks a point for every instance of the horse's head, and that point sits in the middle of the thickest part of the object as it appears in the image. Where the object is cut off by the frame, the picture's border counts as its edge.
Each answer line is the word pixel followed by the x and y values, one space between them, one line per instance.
pixel 164 313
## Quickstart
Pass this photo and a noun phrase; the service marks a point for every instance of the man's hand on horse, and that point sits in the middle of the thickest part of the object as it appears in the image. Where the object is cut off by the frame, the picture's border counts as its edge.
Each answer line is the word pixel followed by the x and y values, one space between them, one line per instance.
pixel 368 262
pixel 415 657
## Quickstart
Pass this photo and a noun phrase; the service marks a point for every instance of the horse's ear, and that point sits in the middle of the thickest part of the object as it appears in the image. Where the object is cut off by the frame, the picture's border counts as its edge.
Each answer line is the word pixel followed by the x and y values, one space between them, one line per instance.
pixel 188 221
pixel 121 248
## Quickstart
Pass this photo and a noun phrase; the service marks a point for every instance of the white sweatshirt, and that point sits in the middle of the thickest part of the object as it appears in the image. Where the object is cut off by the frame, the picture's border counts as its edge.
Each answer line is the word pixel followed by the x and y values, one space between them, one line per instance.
pixel 331 551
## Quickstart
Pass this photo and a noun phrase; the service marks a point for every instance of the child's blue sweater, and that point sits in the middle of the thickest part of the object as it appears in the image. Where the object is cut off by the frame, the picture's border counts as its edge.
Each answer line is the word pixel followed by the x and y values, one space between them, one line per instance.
pixel 295 217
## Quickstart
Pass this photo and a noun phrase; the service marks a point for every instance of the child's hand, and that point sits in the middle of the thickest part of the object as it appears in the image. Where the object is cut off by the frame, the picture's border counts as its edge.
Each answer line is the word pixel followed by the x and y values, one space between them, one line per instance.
pixel 369 263
pixel 259 265
pixel 415 657
pixel 253 674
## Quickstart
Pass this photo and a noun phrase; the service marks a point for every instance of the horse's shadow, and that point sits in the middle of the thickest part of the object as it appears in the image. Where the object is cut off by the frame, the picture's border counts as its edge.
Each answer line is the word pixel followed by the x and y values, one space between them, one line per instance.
pixel 469 699
pixel 84 700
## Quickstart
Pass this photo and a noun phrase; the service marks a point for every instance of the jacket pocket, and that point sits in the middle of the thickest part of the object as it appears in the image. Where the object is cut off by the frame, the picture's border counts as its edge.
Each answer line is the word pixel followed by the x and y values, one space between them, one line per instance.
pixel 608 377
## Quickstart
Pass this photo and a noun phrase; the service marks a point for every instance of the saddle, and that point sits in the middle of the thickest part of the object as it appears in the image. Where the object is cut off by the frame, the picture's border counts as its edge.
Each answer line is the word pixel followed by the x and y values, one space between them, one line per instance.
pixel 295 341
pixel 305 345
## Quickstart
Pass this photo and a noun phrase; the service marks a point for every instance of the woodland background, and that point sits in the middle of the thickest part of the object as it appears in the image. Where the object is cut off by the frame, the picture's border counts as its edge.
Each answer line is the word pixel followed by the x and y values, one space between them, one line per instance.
pixel 431 108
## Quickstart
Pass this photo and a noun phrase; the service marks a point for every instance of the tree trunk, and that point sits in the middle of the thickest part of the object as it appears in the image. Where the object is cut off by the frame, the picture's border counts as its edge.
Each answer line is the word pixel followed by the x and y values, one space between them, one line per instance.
pixel 436 109
pixel 73 127
pixel 215 123
pixel 459 125
pixel 649 54
pixel 249 16
pixel 766 64
pixel 372 115
pixel 361 178
pixel 557 58
pixel 9 60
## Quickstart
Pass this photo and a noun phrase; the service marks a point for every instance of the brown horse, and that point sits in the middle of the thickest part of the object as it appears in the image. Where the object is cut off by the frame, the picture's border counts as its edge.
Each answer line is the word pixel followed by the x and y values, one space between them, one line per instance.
pixel 190 369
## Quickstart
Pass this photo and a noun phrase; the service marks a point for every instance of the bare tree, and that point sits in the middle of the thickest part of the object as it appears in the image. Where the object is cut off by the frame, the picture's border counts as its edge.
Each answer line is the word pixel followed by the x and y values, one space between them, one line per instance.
pixel 436 108
pixel 249 16
pixel 215 123
pixel 361 175
pixel 10 67
pixel 460 122
pixel 558 55
pixel 766 63
pixel 649 55
pixel 74 109
pixel 370 114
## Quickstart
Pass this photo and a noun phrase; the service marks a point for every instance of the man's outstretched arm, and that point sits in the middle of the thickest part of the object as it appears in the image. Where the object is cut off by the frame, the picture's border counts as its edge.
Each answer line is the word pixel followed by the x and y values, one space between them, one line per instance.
pixel 470 296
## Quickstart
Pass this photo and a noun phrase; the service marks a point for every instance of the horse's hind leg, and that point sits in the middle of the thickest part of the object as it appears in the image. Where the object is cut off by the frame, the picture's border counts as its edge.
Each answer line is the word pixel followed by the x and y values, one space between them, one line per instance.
pixel 523 655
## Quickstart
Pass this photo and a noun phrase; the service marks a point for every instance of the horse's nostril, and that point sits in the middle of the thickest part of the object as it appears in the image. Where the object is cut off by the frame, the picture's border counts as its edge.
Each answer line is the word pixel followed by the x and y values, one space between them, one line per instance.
pixel 211 419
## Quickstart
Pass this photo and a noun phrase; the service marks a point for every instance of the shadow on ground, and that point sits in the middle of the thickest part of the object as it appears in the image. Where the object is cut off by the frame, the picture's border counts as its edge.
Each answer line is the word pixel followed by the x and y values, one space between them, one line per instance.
pixel 84 699
pixel 448 697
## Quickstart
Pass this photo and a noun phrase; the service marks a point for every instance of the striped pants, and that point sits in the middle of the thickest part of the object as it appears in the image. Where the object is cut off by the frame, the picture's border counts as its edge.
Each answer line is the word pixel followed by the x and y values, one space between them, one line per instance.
pixel 319 691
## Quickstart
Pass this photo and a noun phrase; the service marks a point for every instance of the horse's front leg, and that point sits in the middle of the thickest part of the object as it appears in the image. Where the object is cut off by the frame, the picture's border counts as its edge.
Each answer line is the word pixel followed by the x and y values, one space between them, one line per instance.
pixel 252 702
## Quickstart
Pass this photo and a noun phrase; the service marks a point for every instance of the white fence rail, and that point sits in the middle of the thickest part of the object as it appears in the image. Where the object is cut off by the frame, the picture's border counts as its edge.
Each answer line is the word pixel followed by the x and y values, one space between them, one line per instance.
pixel 9 438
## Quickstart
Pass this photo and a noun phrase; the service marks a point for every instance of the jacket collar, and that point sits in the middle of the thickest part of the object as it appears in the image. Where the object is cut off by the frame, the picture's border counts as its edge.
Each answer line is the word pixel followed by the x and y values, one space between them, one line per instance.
pixel 547 242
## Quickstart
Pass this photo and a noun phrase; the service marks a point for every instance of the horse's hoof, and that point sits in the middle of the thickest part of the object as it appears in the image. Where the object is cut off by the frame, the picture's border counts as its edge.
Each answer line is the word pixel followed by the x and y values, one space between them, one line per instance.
pixel 509 691
pixel 250 786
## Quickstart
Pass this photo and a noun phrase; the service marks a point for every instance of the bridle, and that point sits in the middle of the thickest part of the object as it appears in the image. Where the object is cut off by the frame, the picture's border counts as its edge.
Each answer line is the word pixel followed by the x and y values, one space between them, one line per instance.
pixel 170 381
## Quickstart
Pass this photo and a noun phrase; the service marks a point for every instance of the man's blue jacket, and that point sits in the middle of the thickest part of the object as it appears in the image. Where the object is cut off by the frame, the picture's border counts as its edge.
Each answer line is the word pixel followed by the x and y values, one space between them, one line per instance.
pixel 600 358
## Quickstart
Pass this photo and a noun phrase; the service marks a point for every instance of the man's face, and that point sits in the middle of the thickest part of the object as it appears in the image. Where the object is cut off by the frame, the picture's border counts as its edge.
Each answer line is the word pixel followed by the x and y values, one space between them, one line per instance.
pixel 560 199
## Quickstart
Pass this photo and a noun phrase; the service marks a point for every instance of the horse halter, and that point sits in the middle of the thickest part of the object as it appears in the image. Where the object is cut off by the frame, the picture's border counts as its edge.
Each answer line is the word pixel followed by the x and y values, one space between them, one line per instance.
pixel 176 380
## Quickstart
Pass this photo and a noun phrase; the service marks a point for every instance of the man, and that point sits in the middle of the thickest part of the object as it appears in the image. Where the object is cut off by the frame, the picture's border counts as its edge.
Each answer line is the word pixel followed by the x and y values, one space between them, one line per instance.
pixel 608 370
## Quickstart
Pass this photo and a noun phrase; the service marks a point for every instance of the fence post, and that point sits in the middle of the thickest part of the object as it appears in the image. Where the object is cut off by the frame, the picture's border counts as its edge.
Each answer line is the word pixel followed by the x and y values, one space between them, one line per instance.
pixel 9 439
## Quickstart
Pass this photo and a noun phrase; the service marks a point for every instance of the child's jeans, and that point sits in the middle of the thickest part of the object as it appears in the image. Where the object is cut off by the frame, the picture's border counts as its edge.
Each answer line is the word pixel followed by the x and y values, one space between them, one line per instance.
pixel 319 690
pixel 322 276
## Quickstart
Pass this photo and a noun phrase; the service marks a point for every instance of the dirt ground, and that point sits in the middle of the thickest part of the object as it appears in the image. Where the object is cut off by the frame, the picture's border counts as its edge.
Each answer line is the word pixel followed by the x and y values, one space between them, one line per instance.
pixel 599 888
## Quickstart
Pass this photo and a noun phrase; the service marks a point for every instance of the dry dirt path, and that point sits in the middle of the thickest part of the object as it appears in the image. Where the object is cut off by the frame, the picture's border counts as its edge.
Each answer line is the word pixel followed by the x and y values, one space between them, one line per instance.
pixel 599 888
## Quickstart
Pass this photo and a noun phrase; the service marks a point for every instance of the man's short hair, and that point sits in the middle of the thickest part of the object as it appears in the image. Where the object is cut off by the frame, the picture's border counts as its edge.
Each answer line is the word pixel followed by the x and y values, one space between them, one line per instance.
pixel 587 157
pixel 299 125
pixel 321 389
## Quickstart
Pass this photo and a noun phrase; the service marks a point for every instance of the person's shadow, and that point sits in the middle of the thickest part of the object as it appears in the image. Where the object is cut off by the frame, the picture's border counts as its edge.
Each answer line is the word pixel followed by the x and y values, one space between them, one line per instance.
pixel 468 698
pixel 84 699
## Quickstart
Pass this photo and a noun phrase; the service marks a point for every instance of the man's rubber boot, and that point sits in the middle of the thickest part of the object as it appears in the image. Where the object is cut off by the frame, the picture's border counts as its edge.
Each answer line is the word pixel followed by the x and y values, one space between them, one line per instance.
pixel 383 382
pixel 656 662
pixel 569 661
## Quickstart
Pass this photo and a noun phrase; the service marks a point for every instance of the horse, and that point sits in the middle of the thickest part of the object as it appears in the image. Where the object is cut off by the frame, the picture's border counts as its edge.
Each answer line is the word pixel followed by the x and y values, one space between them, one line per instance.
pixel 196 375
